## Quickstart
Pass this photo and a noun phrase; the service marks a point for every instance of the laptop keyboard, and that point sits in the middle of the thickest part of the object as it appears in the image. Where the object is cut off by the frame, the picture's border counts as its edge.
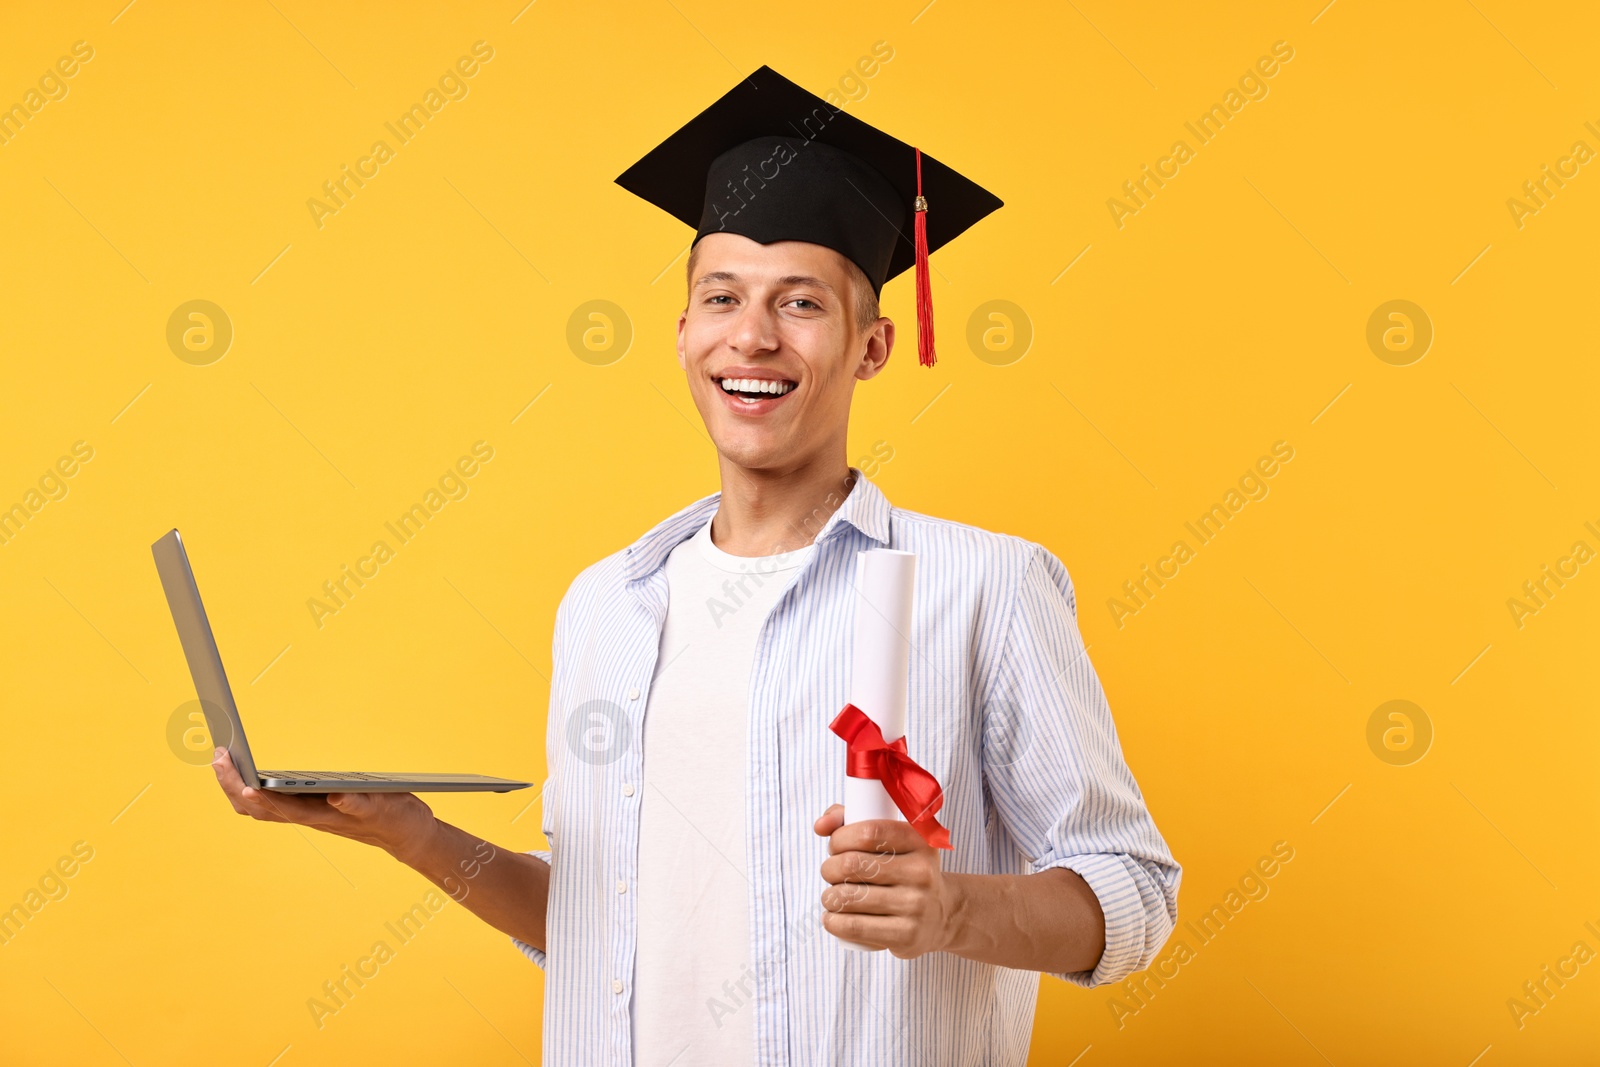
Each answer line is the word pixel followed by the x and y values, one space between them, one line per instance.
pixel 335 776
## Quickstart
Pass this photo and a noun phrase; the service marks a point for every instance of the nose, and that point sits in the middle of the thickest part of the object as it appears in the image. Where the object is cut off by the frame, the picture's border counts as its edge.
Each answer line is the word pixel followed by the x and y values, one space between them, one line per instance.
pixel 755 330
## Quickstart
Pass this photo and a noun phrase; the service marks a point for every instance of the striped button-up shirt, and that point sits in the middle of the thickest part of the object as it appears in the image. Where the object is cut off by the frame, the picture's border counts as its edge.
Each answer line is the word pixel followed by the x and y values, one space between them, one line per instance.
pixel 1003 708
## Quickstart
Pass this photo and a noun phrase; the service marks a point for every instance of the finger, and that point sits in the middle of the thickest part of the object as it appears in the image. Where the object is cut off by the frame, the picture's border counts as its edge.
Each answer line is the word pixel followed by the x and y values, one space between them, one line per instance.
pixel 876 835
pixel 873 868
pixel 829 821
pixel 246 800
pixel 874 930
pixel 228 778
pixel 862 899
pixel 349 803
pixel 309 809
pixel 360 807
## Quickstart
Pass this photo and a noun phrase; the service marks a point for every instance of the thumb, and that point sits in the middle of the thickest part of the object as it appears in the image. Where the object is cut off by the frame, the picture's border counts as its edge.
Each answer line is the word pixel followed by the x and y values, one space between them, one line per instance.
pixel 830 821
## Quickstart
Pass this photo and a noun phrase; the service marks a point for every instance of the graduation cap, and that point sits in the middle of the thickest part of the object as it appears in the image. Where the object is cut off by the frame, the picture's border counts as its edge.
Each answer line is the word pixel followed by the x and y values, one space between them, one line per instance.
pixel 773 162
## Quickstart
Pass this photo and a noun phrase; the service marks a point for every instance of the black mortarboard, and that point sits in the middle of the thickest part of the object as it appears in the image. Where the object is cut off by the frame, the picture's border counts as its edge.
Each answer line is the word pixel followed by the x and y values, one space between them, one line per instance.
pixel 773 162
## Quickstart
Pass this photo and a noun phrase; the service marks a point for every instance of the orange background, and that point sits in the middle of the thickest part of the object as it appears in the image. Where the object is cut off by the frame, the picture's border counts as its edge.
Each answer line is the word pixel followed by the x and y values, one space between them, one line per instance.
pixel 1164 356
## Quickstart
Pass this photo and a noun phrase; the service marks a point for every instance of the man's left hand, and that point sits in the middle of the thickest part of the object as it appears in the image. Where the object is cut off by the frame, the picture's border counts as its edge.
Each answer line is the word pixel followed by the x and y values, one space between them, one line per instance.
pixel 885 888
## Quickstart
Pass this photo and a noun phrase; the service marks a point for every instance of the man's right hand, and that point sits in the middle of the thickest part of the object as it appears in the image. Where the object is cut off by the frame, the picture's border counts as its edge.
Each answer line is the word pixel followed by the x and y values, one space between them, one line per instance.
pixel 394 822
pixel 508 890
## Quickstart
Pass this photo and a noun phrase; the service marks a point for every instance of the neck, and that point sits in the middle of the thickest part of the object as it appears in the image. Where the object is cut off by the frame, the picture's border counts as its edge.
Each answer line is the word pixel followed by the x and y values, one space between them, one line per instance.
pixel 765 512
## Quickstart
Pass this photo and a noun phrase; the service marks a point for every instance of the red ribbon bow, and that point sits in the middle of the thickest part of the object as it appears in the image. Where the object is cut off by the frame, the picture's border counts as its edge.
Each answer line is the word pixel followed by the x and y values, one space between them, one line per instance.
pixel 914 791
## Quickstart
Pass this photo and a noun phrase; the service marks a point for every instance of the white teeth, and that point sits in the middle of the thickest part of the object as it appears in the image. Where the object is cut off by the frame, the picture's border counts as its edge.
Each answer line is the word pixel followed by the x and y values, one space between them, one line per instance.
pixel 756 385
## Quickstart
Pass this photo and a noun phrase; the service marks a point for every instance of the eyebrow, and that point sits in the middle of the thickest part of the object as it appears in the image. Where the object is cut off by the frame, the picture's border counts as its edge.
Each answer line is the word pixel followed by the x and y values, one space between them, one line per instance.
pixel 788 279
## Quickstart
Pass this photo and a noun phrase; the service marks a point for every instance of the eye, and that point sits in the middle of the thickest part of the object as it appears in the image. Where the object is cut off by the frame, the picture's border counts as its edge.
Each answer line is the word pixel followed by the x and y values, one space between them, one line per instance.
pixel 803 300
pixel 719 296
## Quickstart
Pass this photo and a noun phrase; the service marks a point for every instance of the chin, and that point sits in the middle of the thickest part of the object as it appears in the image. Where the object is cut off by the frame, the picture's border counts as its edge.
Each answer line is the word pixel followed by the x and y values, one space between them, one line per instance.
pixel 753 454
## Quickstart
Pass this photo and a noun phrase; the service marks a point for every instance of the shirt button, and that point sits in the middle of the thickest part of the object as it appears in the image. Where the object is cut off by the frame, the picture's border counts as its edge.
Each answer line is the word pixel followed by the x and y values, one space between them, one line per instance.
pixel 622 887
pixel 633 694
pixel 627 789
pixel 616 985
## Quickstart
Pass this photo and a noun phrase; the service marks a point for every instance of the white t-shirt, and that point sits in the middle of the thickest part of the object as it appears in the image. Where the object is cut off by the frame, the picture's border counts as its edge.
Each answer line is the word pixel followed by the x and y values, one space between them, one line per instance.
pixel 693 952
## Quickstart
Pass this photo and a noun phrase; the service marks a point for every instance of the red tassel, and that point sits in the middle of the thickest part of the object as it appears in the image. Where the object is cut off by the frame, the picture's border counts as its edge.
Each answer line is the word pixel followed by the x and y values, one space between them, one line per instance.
pixel 924 295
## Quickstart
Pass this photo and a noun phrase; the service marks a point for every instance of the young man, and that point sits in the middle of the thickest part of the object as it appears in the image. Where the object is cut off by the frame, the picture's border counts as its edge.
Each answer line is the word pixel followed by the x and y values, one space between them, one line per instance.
pixel 700 884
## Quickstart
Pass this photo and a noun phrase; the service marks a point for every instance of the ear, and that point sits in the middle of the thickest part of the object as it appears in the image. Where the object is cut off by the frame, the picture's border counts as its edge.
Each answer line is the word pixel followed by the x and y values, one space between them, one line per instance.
pixel 683 317
pixel 879 343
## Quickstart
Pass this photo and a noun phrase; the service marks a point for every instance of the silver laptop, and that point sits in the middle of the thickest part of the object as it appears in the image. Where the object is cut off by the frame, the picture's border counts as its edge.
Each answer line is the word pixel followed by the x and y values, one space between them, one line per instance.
pixel 222 715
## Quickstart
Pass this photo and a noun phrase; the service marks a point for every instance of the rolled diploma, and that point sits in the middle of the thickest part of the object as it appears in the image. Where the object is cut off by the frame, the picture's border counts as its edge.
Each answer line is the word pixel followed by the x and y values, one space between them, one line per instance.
pixel 881 666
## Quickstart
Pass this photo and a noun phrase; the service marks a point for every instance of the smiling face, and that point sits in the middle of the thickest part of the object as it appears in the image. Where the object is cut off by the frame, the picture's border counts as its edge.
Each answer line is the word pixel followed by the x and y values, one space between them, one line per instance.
pixel 772 347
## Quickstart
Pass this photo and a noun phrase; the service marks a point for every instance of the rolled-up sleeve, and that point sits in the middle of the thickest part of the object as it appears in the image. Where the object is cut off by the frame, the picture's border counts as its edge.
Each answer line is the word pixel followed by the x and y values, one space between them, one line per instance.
pixel 1059 782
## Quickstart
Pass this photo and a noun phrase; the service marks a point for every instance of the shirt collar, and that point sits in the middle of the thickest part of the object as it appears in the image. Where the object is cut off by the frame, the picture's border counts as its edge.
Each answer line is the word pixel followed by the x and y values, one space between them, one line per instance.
pixel 864 509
